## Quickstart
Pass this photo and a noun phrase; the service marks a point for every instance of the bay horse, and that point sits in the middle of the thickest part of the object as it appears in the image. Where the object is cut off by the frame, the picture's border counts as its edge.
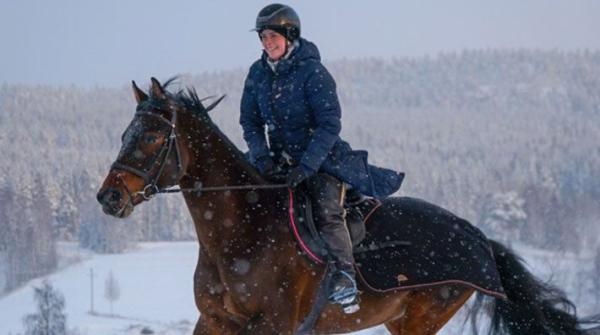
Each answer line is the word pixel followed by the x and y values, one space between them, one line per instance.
pixel 250 277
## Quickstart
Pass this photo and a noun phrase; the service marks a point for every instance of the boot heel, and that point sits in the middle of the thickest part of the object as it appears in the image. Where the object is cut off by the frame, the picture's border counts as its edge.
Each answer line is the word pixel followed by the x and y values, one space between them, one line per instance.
pixel 352 308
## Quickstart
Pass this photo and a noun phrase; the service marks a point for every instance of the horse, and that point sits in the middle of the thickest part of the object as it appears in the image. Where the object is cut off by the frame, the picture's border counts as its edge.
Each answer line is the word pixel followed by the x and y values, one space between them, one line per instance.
pixel 250 276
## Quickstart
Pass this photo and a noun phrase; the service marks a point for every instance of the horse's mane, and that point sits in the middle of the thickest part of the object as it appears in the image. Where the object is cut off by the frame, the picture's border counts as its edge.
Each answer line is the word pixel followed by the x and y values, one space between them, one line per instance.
pixel 188 98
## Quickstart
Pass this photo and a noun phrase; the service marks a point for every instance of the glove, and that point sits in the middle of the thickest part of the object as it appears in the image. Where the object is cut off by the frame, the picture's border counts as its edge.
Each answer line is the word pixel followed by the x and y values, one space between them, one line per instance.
pixel 297 175
pixel 265 166
pixel 269 170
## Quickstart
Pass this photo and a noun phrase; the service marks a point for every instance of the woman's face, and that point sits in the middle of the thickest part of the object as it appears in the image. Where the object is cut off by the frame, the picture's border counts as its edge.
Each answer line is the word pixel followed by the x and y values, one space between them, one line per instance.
pixel 273 43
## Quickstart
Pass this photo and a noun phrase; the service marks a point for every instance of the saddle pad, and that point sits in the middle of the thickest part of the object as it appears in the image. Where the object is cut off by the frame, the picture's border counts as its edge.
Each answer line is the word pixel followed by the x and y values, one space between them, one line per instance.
pixel 413 244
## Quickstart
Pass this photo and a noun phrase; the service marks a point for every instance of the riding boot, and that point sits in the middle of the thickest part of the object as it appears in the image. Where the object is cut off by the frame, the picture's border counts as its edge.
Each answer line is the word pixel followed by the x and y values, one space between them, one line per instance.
pixel 327 194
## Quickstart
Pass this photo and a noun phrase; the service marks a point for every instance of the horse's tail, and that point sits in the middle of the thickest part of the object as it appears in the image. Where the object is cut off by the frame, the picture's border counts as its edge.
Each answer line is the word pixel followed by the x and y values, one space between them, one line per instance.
pixel 532 307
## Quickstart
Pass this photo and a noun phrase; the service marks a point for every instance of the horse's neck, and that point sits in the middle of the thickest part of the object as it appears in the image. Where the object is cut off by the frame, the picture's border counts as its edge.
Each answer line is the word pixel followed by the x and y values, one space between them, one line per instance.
pixel 215 162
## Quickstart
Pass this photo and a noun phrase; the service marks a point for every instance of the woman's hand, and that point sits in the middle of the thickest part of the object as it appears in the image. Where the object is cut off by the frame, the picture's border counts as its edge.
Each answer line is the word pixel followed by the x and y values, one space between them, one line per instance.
pixel 297 175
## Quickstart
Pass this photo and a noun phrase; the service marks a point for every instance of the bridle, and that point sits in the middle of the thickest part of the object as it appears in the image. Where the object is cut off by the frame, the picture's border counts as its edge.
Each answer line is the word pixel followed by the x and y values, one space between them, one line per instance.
pixel 151 188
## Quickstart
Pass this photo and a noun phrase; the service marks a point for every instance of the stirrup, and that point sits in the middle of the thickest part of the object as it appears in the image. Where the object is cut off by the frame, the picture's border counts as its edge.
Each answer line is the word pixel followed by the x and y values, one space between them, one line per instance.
pixel 347 297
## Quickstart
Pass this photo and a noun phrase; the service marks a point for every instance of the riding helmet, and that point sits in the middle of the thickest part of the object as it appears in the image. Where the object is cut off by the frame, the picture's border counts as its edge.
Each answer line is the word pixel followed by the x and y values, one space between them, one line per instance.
pixel 280 18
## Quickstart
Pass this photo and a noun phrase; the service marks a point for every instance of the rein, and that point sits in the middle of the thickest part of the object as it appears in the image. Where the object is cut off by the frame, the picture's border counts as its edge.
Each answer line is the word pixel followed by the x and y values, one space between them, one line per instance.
pixel 151 189
pixel 201 189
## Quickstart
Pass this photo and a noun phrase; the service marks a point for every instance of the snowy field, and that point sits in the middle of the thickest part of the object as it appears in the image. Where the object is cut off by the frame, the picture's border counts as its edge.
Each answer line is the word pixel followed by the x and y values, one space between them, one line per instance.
pixel 155 283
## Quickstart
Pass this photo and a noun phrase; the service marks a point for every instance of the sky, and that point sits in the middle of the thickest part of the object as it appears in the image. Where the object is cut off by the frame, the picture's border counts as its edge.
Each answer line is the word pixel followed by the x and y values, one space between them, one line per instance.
pixel 111 42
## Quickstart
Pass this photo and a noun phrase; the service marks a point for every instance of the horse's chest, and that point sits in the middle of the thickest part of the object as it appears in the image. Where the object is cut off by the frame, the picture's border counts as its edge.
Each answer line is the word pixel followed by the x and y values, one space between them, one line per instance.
pixel 240 287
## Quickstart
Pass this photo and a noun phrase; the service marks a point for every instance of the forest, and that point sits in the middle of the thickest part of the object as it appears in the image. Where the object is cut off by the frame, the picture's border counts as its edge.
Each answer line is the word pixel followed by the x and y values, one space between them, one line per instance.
pixel 508 139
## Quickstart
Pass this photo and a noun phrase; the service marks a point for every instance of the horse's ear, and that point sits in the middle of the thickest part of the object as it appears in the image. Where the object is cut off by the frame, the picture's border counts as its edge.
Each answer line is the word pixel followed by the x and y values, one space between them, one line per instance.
pixel 138 94
pixel 156 90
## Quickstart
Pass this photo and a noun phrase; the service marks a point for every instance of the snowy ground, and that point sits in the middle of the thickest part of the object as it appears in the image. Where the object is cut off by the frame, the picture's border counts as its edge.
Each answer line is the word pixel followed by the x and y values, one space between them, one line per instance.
pixel 156 291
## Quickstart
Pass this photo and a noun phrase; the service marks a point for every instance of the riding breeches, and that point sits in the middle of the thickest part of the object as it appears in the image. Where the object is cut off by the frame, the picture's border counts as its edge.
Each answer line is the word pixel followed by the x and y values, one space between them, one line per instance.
pixel 327 194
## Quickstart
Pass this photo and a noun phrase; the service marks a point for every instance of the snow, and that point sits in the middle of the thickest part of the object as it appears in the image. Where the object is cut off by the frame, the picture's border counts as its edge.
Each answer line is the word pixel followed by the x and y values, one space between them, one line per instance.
pixel 156 290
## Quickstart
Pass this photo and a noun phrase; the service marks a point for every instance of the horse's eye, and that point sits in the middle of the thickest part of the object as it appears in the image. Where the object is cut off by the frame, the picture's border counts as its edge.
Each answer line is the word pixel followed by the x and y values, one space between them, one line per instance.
pixel 150 139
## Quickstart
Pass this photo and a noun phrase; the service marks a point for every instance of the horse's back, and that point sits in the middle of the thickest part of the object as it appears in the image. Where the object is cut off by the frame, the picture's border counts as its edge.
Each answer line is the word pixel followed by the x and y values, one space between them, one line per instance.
pixel 415 208
pixel 398 213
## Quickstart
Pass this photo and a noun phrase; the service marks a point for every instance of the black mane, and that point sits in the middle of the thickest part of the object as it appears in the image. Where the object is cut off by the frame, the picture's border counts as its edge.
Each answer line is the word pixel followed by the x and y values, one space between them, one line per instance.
pixel 190 101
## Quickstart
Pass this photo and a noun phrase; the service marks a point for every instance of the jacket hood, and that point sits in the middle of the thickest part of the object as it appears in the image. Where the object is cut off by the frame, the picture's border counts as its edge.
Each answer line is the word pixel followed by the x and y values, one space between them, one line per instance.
pixel 306 50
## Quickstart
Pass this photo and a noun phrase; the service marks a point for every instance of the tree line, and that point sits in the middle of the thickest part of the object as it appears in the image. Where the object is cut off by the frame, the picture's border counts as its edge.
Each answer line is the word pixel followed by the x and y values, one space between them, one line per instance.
pixel 505 138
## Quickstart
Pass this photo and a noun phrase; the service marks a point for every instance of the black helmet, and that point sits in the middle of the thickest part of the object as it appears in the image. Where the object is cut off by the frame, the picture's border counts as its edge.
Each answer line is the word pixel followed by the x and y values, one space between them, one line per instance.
pixel 280 18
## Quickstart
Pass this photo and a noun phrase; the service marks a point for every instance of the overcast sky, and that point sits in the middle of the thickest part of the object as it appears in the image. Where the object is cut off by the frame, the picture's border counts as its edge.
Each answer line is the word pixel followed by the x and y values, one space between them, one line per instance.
pixel 110 42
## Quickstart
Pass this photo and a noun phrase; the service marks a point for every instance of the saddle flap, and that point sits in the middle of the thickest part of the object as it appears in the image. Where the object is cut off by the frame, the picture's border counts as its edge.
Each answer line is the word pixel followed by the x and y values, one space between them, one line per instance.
pixel 306 230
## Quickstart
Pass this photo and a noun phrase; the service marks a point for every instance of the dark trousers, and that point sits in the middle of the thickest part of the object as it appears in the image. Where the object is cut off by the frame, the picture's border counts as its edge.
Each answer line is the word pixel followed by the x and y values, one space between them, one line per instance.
pixel 327 194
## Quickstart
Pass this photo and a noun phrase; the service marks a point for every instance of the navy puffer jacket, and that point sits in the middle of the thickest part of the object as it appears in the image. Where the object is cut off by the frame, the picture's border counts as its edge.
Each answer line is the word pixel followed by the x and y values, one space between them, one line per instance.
pixel 299 107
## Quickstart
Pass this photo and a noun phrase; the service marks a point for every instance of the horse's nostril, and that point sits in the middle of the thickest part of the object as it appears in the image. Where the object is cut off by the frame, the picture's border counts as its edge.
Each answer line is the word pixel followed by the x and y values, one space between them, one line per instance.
pixel 110 197
pixel 114 196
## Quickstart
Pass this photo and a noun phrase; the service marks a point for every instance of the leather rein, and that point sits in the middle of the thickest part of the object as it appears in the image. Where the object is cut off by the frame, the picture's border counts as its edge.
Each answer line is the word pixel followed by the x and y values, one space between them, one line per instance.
pixel 151 188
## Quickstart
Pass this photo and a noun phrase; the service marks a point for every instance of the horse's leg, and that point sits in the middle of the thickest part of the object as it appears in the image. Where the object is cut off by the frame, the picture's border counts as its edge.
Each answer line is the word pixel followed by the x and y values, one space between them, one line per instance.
pixel 218 312
pixel 289 304
pixel 261 326
pixel 216 326
pixel 428 310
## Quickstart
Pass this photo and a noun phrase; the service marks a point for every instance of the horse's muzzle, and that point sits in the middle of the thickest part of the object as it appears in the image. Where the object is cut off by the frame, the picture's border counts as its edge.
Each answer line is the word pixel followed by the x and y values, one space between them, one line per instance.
pixel 112 202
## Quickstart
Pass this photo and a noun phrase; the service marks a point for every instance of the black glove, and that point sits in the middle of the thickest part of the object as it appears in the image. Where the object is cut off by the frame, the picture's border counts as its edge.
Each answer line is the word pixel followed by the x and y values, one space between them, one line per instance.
pixel 296 176
pixel 270 171
pixel 265 166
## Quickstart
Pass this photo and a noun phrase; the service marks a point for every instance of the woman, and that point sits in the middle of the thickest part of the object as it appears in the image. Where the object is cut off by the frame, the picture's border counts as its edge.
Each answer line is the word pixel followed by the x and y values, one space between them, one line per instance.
pixel 291 94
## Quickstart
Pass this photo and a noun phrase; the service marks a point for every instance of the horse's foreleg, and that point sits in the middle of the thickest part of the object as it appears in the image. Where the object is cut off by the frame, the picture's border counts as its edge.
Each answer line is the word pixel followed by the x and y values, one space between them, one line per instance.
pixel 428 310
pixel 281 318
pixel 218 312
pixel 262 325
pixel 214 325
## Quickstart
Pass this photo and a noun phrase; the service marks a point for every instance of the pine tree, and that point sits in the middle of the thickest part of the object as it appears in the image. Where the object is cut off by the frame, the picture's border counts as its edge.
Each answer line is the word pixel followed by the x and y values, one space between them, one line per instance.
pixel 50 318
pixel 67 217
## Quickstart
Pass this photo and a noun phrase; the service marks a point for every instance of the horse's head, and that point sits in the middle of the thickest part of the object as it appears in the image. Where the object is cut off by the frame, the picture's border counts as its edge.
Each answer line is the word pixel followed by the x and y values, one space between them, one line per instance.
pixel 151 156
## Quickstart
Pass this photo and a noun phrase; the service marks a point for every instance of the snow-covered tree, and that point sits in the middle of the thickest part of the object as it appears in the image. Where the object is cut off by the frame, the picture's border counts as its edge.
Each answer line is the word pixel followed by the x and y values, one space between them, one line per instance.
pixel 50 318
pixel 67 217
pixel 504 216
pixel 26 236
pixel 112 292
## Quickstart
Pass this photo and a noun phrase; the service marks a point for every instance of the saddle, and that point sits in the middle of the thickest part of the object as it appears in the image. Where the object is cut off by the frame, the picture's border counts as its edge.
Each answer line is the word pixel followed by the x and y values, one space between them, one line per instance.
pixel 403 243
pixel 357 213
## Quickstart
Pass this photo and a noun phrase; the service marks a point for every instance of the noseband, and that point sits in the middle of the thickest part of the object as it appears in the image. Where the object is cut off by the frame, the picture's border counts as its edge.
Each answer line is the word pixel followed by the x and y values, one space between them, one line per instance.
pixel 151 188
